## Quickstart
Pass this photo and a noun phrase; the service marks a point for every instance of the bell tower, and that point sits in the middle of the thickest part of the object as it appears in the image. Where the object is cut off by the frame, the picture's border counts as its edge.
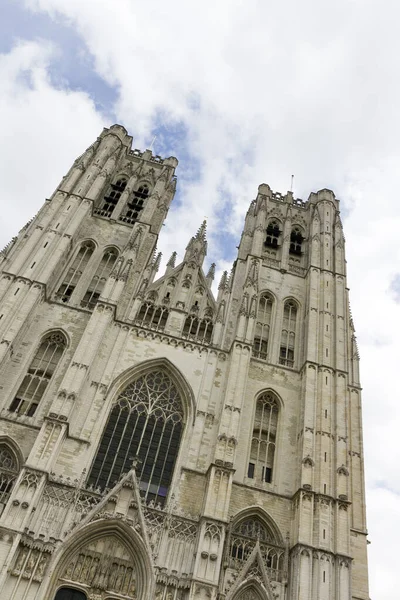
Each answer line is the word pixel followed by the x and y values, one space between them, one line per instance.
pixel 160 442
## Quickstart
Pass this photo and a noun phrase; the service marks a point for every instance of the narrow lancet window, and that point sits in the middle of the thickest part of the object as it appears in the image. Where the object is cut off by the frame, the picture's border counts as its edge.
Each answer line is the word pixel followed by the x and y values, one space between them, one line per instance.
pixel 288 338
pixel 198 329
pixel 99 279
pixel 75 272
pixel 153 316
pixel 40 372
pixel 263 325
pixel 263 440
pixel 146 422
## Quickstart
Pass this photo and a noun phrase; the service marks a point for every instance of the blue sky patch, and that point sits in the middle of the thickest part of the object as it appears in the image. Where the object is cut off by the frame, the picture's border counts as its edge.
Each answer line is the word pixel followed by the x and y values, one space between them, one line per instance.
pixel 72 68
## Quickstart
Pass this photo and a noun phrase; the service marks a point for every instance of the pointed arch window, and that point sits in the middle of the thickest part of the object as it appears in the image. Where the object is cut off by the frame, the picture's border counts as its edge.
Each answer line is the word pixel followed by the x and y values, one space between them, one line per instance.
pixel 9 469
pixel 263 440
pixel 198 329
pixel 273 233
pixel 75 271
pixel 245 535
pixel 263 326
pixel 111 198
pixel 40 372
pixel 135 204
pixel 145 422
pixel 151 315
pixel 99 279
pixel 296 241
pixel 288 338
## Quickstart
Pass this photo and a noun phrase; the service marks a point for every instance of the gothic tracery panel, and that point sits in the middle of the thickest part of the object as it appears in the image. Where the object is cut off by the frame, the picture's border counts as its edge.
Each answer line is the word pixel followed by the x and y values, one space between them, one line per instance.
pixel 145 422
pixel 243 539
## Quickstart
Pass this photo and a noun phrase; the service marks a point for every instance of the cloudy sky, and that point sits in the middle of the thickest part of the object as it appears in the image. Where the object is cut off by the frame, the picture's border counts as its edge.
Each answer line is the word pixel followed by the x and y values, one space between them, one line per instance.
pixel 242 92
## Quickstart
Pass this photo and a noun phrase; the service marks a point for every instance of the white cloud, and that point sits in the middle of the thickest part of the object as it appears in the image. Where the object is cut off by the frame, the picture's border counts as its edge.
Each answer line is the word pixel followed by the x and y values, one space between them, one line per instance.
pixel 43 130
pixel 383 571
pixel 264 90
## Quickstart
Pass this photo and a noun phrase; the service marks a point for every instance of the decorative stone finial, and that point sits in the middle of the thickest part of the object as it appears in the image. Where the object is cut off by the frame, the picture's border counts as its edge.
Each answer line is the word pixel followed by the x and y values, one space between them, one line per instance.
pixel 157 262
pixel 211 273
pixel 224 281
pixel 171 262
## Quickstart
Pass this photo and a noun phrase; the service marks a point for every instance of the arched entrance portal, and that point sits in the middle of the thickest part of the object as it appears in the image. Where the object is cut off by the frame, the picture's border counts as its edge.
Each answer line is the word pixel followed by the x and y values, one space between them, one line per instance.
pixel 65 593
pixel 105 560
pixel 104 564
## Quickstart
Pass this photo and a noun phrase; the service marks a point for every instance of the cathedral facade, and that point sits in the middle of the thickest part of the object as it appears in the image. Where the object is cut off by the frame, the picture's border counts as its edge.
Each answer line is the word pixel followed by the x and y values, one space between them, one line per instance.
pixel 160 443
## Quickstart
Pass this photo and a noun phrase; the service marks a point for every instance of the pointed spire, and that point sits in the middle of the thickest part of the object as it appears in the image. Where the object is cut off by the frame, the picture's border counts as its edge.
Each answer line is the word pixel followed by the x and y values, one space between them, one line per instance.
pixel 211 274
pixel 224 281
pixel 157 262
pixel 153 257
pixel 201 233
pixel 171 262
pixel 223 285
pixel 231 276
pixel 196 249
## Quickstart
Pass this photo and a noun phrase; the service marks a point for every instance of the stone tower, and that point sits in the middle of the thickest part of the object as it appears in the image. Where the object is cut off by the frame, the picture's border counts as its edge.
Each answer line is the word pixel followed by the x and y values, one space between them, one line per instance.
pixel 157 442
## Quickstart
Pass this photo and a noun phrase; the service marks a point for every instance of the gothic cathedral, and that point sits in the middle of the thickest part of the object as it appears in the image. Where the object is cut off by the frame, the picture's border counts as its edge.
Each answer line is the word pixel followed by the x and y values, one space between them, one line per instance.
pixel 160 443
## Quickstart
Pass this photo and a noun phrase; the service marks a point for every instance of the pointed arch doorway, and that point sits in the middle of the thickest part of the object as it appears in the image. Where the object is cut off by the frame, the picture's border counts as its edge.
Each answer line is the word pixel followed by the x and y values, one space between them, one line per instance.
pixel 67 593
pixel 251 591
pixel 105 560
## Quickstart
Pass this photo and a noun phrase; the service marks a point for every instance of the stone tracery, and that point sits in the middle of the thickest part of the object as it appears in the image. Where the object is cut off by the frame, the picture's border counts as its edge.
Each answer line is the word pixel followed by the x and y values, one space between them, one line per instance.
pixel 146 421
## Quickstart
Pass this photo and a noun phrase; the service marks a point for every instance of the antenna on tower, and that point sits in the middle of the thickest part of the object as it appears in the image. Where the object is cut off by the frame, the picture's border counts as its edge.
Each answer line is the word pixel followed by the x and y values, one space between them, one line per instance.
pixel 291 183
pixel 152 142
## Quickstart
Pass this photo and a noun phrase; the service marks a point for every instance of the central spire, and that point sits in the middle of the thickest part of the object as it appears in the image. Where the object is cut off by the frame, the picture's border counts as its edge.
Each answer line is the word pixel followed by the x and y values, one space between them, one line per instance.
pixel 196 249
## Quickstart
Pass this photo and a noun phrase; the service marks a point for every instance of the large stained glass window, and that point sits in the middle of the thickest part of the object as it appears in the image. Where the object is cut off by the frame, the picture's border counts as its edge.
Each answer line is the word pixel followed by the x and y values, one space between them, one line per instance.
pixel 145 422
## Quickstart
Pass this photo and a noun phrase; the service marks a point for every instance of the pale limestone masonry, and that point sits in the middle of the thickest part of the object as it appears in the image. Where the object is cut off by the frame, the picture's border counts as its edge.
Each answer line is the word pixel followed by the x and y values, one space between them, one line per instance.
pixel 266 499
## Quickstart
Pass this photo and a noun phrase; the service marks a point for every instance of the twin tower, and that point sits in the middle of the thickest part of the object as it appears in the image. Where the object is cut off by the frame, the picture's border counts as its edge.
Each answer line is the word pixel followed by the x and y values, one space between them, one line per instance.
pixel 156 442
